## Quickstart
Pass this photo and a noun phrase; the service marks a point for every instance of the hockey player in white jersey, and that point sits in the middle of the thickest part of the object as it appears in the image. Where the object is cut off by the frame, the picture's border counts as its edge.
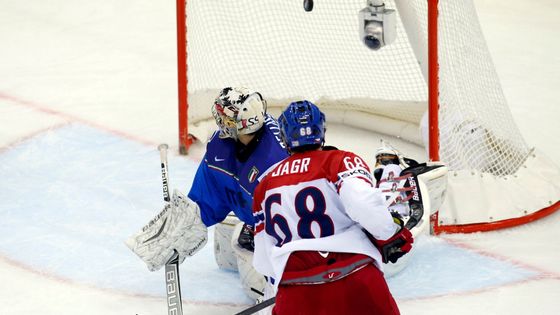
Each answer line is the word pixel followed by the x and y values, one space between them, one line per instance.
pixel 322 228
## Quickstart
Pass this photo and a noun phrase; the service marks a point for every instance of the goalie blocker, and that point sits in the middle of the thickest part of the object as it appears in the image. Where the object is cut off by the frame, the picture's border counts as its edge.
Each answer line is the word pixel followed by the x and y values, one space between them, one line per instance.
pixel 428 184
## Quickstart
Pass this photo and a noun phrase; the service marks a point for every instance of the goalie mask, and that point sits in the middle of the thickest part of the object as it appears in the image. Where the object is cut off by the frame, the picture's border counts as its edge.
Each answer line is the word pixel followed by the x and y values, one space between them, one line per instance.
pixel 387 154
pixel 238 111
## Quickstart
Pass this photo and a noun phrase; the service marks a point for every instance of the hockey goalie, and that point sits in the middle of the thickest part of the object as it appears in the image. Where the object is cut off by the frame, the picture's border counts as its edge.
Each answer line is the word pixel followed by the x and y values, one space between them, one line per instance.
pixel 244 145
pixel 412 190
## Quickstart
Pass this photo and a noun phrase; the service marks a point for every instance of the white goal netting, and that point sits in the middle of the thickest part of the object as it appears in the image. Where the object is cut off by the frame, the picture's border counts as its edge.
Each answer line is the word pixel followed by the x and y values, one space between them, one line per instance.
pixel 282 51
pixel 286 53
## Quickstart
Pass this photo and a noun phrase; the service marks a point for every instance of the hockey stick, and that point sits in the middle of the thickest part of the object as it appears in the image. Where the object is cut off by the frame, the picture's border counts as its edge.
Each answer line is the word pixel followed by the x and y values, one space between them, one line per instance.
pixel 172 283
pixel 164 176
pixel 257 307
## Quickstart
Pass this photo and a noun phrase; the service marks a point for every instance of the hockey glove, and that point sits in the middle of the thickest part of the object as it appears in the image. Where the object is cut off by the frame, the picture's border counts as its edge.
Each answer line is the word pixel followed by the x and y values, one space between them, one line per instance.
pixel 246 238
pixel 397 245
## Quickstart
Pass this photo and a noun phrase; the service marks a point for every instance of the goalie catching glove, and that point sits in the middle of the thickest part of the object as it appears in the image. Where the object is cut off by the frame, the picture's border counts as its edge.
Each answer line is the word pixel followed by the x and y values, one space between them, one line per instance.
pixel 178 227
pixel 397 245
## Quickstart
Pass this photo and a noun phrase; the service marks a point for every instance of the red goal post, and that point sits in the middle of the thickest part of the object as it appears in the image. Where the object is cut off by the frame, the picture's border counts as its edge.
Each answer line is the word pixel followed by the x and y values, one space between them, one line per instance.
pixel 439 64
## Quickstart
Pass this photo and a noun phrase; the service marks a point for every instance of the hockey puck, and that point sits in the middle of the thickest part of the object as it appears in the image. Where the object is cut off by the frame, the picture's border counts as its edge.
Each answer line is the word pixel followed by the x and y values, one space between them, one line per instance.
pixel 308 5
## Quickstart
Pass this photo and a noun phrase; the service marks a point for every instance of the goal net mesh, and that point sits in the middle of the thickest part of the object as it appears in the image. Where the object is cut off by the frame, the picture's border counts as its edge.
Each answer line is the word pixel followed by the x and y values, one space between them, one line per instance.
pixel 286 53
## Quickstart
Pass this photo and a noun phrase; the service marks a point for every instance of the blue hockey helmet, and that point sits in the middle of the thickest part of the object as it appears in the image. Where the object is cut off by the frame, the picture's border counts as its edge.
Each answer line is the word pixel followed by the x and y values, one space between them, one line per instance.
pixel 302 124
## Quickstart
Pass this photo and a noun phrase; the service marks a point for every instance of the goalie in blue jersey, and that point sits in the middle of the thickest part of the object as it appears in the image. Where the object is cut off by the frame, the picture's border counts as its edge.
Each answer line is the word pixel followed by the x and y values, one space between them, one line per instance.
pixel 245 146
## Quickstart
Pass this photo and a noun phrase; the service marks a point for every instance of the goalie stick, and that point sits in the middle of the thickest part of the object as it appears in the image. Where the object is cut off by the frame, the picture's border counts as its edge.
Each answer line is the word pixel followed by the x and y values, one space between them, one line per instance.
pixel 164 176
pixel 257 307
pixel 172 283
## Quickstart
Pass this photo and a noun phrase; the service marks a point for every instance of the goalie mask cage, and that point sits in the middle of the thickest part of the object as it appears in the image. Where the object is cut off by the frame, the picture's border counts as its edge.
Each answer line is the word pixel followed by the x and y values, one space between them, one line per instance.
pixel 438 64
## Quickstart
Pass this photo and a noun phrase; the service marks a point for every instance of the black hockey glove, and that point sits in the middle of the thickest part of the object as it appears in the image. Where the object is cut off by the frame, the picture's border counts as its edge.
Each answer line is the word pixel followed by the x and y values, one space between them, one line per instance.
pixel 246 238
pixel 397 245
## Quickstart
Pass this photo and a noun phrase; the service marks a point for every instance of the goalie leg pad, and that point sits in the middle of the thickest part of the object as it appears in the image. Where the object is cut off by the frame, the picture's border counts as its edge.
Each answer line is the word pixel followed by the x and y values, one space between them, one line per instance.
pixel 223 252
pixel 250 278
pixel 177 227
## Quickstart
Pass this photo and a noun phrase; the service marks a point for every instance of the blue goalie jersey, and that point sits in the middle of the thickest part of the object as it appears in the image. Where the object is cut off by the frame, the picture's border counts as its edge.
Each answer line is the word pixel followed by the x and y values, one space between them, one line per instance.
pixel 229 173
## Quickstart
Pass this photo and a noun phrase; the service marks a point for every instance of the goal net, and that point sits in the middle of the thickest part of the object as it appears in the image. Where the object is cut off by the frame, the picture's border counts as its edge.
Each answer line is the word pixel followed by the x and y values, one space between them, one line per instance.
pixel 286 53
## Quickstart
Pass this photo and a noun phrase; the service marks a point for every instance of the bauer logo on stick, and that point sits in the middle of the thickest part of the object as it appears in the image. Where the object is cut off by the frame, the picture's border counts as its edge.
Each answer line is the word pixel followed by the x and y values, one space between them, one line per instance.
pixel 174 306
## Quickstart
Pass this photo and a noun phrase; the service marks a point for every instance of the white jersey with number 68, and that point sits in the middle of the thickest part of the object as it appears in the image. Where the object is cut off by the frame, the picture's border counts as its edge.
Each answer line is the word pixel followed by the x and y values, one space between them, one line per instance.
pixel 317 200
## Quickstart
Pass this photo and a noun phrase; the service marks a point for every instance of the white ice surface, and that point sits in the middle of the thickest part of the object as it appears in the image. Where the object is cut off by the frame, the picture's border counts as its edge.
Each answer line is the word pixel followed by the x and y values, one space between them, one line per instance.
pixel 87 91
